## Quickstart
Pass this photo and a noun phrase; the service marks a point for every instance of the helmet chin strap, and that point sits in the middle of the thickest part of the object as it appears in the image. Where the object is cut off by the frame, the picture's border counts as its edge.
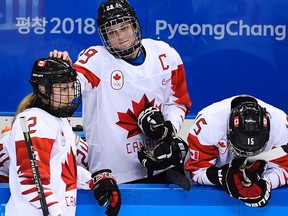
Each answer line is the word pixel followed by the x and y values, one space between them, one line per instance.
pixel 133 55
pixel 139 59
pixel 236 152
pixel 66 111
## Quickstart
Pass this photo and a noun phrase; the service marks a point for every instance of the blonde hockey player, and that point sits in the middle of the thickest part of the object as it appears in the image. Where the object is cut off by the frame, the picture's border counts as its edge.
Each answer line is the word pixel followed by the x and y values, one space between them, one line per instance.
pixel 56 95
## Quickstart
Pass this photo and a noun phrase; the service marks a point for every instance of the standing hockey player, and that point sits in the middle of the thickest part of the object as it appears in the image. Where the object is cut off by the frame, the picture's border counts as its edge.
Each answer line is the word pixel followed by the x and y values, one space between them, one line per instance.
pixel 224 134
pixel 56 95
pixel 126 82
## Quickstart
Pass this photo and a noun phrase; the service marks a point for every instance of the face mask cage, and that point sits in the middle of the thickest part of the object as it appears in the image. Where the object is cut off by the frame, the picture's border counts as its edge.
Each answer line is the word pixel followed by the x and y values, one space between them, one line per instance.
pixel 65 99
pixel 118 26
pixel 237 152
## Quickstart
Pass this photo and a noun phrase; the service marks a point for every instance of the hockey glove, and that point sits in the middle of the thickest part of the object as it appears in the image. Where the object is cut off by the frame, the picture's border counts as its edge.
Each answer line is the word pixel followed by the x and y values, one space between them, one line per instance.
pixel 249 187
pixel 152 123
pixel 241 181
pixel 164 154
pixel 216 175
pixel 106 190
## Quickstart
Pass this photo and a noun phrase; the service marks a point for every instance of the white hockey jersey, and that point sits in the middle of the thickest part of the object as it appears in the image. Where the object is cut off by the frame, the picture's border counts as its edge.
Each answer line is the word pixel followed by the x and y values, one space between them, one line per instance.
pixel 207 141
pixel 83 175
pixel 4 158
pixel 54 145
pixel 115 92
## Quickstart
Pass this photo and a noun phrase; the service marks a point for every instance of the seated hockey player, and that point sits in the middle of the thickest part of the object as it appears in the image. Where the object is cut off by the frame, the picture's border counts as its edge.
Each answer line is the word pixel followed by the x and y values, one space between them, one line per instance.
pixel 224 134
pixel 53 190
pixel 121 78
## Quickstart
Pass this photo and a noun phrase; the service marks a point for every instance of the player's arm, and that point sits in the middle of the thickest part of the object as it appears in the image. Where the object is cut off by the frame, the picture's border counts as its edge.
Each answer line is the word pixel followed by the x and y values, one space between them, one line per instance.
pixel 81 152
pixel 83 178
pixel 201 157
pixel 164 123
pixel 106 191
pixel 179 103
pixel 89 65
pixel 83 67
pixel 277 170
pixel 203 138
pixel 61 55
pixel 4 159
pixel 102 182
pixel 276 175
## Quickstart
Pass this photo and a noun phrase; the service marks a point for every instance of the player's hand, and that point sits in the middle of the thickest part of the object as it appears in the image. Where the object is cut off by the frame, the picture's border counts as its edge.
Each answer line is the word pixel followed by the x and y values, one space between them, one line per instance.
pixel 248 185
pixel 242 181
pixel 164 154
pixel 152 123
pixel 148 160
pixel 106 191
pixel 175 148
pixel 61 55
pixel 218 176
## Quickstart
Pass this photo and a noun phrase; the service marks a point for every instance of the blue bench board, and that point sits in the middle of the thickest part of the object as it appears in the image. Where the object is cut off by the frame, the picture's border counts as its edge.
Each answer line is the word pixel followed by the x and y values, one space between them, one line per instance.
pixel 169 199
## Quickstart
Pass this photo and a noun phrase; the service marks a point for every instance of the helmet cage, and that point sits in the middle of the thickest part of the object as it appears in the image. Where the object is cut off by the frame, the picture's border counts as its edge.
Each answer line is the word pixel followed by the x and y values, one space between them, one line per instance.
pixel 46 74
pixel 71 106
pixel 249 129
pixel 124 21
pixel 115 12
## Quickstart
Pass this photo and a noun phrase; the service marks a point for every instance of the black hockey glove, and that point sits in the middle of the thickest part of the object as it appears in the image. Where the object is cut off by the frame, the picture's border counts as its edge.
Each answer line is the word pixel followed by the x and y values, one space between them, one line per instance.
pixel 106 190
pixel 242 182
pixel 216 175
pixel 152 123
pixel 164 154
pixel 249 187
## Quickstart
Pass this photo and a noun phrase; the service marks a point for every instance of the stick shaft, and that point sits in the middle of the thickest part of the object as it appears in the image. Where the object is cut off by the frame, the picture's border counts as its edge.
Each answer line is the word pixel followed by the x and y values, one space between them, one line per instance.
pixel 178 179
pixel 34 166
pixel 270 155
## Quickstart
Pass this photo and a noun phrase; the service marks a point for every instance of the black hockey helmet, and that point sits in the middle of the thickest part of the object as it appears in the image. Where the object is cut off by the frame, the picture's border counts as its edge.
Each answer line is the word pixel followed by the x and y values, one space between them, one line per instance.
pixel 249 127
pixel 47 72
pixel 114 12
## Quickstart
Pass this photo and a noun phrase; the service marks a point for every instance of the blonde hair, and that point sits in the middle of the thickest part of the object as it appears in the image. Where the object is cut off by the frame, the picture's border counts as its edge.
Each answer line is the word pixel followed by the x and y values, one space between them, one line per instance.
pixel 25 104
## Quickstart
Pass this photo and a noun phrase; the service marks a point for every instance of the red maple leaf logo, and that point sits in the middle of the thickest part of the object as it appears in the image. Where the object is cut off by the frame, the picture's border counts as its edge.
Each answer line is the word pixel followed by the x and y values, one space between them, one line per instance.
pixel 69 172
pixel 222 144
pixel 42 148
pixel 128 120
pixel 116 77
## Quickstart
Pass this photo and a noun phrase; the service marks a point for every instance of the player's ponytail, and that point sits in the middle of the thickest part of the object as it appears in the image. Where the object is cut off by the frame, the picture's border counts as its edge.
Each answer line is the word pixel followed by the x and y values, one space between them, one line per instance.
pixel 26 103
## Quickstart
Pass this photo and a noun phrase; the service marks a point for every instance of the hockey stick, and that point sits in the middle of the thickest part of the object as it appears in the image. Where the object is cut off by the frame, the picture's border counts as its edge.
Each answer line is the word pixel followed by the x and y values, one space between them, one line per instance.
pixel 183 182
pixel 266 156
pixel 270 155
pixel 34 166
pixel 171 176
pixel 178 179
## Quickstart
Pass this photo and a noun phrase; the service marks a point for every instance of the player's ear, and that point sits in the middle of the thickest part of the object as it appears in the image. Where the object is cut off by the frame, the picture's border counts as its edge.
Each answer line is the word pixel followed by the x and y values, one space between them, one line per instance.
pixel 41 89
